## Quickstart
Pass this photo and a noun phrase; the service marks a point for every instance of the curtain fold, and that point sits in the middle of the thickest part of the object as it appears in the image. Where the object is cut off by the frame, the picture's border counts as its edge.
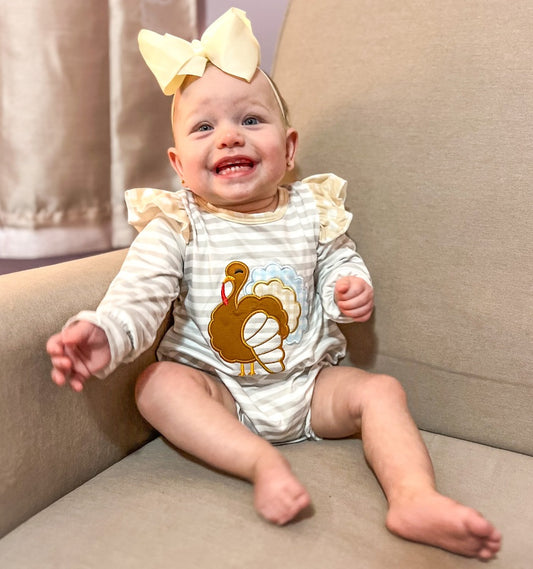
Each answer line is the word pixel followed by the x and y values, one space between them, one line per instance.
pixel 82 119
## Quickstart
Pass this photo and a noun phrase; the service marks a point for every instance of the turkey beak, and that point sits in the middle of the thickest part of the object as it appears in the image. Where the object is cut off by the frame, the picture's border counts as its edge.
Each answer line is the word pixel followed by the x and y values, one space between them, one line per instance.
pixel 223 290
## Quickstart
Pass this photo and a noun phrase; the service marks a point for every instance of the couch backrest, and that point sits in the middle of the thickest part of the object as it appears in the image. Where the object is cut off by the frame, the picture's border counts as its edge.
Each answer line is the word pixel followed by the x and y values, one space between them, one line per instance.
pixel 427 110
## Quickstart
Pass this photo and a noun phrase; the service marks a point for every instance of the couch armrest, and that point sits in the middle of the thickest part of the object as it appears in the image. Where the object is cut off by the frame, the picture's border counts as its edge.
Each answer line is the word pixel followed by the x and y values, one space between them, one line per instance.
pixel 53 439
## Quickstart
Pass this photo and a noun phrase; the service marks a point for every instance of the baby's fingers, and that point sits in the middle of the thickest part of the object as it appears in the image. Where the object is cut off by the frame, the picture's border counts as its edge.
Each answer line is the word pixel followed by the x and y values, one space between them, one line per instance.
pixel 347 287
pixel 55 346
pixel 358 313
pixel 76 384
pixel 61 365
pixel 59 377
pixel 63 375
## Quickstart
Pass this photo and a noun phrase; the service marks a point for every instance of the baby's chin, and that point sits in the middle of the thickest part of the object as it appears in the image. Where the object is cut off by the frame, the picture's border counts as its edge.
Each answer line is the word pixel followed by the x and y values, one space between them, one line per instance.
pixel 249 206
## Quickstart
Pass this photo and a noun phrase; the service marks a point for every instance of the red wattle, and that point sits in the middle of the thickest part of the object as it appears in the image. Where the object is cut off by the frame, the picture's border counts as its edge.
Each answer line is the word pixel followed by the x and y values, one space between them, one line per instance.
pixel 223 294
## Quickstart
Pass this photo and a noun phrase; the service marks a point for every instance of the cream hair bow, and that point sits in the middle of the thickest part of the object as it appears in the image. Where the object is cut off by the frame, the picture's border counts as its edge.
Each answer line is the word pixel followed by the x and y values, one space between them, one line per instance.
pixel 228 43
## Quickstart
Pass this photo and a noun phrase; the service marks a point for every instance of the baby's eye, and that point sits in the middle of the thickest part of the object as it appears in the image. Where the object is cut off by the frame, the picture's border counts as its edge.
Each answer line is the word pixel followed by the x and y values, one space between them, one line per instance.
pixel 250 121
pixel 203 127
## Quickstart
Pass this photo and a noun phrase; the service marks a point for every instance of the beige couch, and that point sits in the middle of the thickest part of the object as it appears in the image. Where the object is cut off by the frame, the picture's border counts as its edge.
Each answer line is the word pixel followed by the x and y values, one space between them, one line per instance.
pixel 426 108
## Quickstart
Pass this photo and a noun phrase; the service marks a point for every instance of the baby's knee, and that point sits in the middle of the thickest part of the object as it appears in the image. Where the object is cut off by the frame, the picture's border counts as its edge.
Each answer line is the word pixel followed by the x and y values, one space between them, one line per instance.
pixel 382 385
pixel 163 380
pixel 146 384
pixel 156 382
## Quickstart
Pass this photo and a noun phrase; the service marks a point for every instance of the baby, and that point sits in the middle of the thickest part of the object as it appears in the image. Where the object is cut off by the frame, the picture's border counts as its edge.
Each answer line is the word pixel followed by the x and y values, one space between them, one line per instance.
pixel 258 275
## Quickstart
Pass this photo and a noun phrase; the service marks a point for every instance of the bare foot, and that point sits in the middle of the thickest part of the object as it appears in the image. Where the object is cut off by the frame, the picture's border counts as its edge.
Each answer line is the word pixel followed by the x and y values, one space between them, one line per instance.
pixel 278 494
pixel 437 520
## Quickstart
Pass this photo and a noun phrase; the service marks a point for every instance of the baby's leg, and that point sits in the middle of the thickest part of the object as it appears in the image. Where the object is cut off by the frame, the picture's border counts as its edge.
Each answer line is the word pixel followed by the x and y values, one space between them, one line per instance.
pixel 197 414
pixel 348 401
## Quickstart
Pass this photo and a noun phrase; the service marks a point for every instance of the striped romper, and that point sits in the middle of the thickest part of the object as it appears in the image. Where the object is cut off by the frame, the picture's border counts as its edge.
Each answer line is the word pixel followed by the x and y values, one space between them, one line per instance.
pixel 252 295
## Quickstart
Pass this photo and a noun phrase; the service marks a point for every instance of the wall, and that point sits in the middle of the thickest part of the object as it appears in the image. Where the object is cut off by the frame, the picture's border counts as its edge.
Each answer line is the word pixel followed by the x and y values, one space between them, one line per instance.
pixel 266 17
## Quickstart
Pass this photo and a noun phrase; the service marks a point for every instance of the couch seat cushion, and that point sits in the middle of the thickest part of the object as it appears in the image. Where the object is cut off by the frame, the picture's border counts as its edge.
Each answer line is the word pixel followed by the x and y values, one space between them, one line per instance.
pixel 159 509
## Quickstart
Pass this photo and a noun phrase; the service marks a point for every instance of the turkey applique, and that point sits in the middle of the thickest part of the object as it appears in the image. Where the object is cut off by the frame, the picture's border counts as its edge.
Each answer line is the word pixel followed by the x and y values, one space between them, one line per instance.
pixel 252 329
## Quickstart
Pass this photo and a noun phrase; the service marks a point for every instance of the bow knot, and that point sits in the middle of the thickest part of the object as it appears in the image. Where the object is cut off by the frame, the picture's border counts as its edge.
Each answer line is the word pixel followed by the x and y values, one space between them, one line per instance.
pixel 228 43
pixel 198 48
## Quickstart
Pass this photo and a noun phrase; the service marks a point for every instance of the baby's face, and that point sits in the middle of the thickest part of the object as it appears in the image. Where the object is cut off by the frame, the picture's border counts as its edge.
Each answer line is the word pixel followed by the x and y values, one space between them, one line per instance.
pixel 232 147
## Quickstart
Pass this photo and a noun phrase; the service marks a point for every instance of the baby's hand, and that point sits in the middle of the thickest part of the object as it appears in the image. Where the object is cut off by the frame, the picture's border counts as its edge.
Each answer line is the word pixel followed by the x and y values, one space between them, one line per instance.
pixel 77 352
pixel 355 298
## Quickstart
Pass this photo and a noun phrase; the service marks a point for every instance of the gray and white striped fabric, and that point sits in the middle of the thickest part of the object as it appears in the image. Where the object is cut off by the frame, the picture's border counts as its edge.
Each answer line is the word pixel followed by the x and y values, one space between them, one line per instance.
pixel 253 300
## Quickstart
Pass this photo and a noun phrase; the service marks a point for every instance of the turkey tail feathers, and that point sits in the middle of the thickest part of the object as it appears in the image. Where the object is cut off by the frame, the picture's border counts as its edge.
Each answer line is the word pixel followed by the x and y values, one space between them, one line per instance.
pixel 261 333
pixel 286 295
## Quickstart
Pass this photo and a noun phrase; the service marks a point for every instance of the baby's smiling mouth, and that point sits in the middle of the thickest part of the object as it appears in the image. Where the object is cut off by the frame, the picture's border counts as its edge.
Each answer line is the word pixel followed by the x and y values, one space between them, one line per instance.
pixel 233 165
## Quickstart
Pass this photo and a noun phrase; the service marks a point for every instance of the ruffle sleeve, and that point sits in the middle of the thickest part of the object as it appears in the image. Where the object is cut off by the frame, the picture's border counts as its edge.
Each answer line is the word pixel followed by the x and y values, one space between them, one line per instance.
pixel 145 204
pixel 329 192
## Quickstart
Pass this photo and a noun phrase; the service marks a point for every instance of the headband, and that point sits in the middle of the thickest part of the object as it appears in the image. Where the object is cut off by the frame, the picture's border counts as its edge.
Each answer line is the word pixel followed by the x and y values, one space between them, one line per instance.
pixel 228 43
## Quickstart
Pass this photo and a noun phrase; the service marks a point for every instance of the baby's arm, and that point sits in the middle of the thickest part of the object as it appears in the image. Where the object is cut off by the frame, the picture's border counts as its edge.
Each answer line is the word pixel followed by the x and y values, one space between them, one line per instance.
pixel 355 298
pixel 344 282
pixel 126 322
pixel 77 352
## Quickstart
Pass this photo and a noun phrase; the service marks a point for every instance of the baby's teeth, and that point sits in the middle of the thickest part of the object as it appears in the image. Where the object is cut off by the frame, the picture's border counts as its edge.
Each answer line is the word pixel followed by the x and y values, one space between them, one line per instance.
pixel 232 169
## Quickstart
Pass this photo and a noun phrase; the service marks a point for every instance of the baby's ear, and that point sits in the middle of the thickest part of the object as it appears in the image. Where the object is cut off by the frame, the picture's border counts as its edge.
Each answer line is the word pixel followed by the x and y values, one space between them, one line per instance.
pixel 291 145
pixel 175 162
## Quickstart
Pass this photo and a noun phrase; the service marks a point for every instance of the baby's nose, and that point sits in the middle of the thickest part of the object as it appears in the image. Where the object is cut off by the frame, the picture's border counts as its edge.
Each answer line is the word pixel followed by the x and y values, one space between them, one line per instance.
pixel 229 137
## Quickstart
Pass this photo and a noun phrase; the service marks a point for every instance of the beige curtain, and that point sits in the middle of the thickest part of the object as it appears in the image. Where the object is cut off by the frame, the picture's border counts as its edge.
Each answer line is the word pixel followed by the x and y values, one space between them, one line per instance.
pixel 82 119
